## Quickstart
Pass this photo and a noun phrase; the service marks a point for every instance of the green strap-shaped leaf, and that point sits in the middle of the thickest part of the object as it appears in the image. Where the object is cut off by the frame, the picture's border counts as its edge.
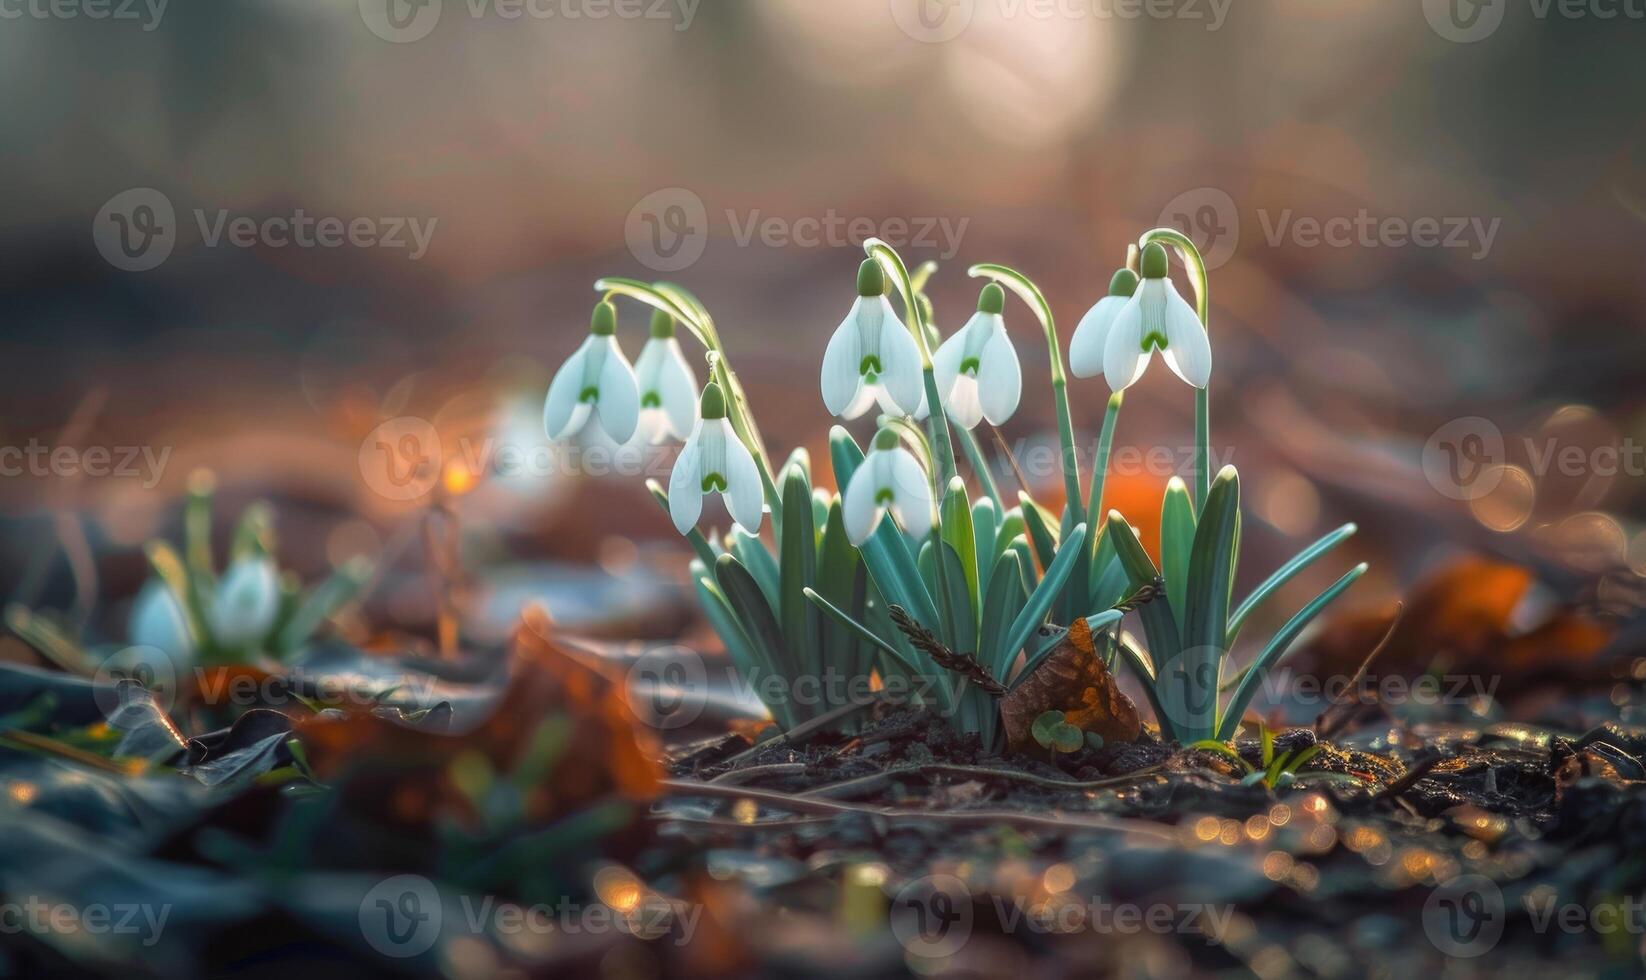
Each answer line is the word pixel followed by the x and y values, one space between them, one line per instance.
pixel 797 571
pixel 720 615
pixel 958 534
pixel 1040 601
pixel 1010 526
pixel 1006 596
pixel 985 524
pixel 838 571
pixel 1140 665
pixel 751 551
pixel 863 632
pixel 323 600
pixel 1308 556
pixel 754 613
pixel 1159 623
pixel 1177 530
pixel 1040 531
pixel 1276 651
pixel 1206 616
pixel 845 455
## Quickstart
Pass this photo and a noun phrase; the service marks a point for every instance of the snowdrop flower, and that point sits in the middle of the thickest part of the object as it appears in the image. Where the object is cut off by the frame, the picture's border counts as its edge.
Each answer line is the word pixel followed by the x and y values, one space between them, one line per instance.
pixel 977 372
pixel 872 356
pixel 1086 349
pixel 595 381
pixel 157 620
pixel 889 479
pixel 714 460
pixel 1156 318
pixel 246 603
pixel 668 387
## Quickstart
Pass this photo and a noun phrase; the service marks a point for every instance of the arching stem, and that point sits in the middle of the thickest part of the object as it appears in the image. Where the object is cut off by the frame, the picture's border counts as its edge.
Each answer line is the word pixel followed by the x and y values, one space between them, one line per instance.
pixel 1027 291
pixel 691 314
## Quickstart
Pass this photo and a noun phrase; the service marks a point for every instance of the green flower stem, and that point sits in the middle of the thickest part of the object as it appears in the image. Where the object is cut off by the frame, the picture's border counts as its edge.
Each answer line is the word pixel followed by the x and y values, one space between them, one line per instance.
pixel 980 466
pixel 685 308
pixel 938 420
pixel 1202 482
pixel 1100 472
pixel 1030 294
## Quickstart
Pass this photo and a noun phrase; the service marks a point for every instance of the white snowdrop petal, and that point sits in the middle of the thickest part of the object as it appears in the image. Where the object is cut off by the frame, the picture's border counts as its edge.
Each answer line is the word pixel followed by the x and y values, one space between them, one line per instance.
pixel 859 510
pixel 1188 350
pixel 963 406
pixel 999 378
pixel 911 491
pixel 1087 345
pixel 1123 358
pixel 686 484
pixel 560 407
pixel 619 403
pixel 866 397
pixel 744 494
pixel 946 362
pixel 840 362
pixel 157 620
pixel 677 386
pixel 246 603
pixel 900 360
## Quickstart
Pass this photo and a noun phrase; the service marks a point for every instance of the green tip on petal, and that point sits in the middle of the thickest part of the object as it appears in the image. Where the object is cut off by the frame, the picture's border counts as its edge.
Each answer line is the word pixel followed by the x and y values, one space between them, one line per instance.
pixel 992 299
pixel 871 279
pixel 1124 283
pixel 885 439
pixel 604 321
pixel 713 403
pixel 1155 261
pixel 662 325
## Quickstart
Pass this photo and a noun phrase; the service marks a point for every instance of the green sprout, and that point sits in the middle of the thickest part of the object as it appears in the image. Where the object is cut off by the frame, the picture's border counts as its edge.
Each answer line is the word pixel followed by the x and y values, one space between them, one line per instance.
pixel 250 610
pixel 1055 733
pixel 1275 772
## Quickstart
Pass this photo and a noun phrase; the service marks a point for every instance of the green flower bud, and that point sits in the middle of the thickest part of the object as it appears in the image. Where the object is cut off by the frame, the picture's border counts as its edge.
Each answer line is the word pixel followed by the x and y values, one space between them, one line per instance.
pixel 662 325
pixel 713 403
pixel 871 279
pixel 1155 261
pixel 604 321
pixel 1124 283
pixel 886 439
pixel 992 299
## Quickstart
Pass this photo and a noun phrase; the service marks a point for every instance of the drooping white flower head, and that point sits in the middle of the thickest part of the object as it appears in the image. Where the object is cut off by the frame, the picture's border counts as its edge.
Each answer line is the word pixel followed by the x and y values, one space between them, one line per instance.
pixel 872 356
pixel 157 620
pixel 1092 335
pixel 667 384
pixel 888 480
pixel 595 382
pixel 714 460
pixel 1156 318
pixel 977 372
pixel 247 601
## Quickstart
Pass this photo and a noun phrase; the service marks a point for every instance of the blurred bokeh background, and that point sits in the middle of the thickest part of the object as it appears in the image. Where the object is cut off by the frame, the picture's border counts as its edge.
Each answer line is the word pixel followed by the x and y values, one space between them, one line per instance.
pixel 1428 222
